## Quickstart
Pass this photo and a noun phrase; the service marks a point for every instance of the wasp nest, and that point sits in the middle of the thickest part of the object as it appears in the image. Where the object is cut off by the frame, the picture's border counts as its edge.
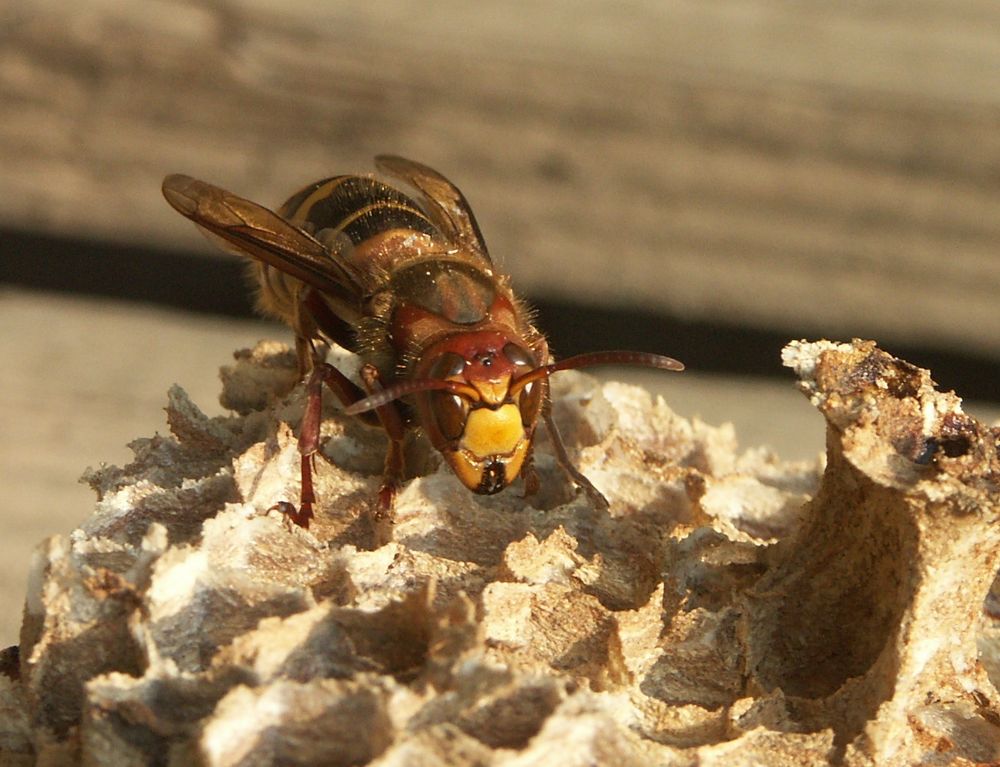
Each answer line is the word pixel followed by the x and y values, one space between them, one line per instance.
pixel 728 609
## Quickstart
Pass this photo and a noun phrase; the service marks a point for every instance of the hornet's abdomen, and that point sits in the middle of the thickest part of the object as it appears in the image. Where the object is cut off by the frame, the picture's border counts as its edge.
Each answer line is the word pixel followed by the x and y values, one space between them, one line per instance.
pixel 357 206
pixel 352 216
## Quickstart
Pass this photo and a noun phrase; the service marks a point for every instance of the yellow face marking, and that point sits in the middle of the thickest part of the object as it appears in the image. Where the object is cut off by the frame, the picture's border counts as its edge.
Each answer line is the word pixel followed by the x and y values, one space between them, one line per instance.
pixel 493 392
pixel 470 466
pixel 515 461
pixel 469 472
pixel 492 432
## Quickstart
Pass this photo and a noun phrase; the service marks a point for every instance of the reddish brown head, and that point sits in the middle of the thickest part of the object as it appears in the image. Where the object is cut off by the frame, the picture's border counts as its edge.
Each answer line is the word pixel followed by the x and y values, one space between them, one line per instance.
pixel 484 426
pixel 478 397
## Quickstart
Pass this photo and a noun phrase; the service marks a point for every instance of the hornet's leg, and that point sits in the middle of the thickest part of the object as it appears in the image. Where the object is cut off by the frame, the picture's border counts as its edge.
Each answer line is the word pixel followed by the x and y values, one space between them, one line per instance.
pixel 531 483
pixel 392 421
pixel 596 496
pixel 312 315
pixel 388 416
pixel 347 392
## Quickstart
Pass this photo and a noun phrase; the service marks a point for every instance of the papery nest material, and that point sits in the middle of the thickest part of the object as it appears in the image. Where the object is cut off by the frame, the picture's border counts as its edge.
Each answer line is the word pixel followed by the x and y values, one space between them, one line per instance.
pixel 727 609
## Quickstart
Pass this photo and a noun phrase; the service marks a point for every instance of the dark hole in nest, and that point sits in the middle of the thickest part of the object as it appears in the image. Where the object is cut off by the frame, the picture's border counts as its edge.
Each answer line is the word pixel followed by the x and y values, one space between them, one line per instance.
pixel 956 446
pixel 958 433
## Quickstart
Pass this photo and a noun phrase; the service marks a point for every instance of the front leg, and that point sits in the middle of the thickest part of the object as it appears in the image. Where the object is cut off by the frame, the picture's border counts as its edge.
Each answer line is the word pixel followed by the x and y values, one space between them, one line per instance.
pixel 309 432
pixel 392 421
pixel 562 457
pixel 347 392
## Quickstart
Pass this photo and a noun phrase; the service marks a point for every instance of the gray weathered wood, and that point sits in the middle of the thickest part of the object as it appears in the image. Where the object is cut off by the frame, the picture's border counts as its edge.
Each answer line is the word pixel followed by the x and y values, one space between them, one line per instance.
pixel 820 168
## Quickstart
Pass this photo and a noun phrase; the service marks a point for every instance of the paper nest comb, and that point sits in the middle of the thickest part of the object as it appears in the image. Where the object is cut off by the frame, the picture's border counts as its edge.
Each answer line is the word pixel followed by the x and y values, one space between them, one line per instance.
pixel 728 609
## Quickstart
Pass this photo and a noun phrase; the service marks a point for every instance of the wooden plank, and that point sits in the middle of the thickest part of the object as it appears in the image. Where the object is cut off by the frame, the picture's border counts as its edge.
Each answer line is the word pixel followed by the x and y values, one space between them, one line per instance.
pixel 824 169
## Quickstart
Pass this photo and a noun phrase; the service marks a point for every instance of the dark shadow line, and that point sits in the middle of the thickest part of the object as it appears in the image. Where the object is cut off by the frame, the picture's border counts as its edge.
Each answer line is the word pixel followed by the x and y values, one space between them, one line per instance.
pixel 217 285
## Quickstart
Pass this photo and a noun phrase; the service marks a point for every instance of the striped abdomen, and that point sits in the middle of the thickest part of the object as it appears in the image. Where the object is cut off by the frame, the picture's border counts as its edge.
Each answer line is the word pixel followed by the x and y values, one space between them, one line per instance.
pixel 351 215
pixel 356 206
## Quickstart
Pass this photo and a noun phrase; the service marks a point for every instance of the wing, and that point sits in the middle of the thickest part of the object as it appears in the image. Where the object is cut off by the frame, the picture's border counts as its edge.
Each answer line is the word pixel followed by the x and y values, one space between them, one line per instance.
pixel 445 204
pixel 253 230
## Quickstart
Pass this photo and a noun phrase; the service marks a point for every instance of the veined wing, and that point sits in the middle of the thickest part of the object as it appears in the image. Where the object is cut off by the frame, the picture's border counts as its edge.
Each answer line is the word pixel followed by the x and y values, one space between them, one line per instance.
pixel 445 204
pixel 251 229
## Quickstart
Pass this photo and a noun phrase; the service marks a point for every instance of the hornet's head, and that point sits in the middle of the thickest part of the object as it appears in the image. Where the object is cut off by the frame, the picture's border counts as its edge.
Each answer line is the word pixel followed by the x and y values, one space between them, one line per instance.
pixel 478 396
pixel 483 424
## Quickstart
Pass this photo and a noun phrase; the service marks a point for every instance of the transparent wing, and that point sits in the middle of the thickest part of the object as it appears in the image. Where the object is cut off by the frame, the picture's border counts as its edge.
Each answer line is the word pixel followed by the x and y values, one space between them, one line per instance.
pixel 253 230
pixel 446 205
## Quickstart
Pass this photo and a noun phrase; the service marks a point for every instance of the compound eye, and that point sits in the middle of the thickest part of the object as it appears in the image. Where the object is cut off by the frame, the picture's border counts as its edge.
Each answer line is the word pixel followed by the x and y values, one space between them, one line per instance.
pixel 450 413
pixel 530 402
pixel 518 355
pixel 448 365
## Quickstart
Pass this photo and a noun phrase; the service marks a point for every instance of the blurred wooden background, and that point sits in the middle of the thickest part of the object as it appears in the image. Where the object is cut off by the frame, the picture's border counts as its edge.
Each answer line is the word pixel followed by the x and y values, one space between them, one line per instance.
pixel 813 168
pixel 698 170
